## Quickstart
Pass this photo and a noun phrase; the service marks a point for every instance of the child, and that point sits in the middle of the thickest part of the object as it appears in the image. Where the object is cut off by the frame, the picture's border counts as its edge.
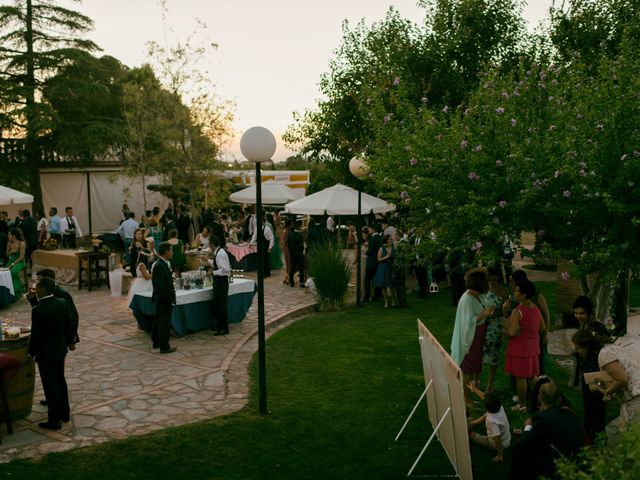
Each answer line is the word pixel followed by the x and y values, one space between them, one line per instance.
pixel 495 419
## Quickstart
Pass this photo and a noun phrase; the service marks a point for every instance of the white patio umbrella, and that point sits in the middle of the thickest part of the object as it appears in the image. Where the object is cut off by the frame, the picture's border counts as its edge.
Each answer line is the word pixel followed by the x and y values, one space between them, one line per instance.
pixel 272 194
pixel 338 200
pixel 9 196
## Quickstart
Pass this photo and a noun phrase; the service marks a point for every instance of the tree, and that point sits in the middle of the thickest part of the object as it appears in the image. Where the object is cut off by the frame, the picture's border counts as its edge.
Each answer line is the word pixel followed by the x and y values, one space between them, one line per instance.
pixel 37 38
pixel 86 100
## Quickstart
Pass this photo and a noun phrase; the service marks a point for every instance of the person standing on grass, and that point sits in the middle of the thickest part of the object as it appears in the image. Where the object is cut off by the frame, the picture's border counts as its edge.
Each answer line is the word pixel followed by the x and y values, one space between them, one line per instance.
pixel 493 339
pixel 295 246
pixel 164 297
pixel 470 328
pixel 51 332
pixel 523 349
pixel 221 270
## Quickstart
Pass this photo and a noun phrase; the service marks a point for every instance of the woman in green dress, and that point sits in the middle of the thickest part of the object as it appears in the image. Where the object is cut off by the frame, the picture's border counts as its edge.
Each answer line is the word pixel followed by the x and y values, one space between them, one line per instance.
pixel 275 257
pixel 15 253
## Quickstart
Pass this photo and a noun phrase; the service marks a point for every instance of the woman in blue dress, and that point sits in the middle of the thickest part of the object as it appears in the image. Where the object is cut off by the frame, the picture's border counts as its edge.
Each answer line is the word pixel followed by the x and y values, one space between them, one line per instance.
pixel 385 268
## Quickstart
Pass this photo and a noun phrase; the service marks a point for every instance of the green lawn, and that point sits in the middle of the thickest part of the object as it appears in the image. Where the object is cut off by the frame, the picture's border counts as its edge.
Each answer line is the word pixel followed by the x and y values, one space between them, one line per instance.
pixel 339 388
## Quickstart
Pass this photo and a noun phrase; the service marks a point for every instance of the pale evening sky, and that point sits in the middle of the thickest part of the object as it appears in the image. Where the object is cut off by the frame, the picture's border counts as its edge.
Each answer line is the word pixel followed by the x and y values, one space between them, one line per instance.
pixel 271 53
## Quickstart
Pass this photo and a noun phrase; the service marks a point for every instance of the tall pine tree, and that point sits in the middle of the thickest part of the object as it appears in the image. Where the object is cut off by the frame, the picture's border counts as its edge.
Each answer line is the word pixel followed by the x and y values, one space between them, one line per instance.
pixel 37 38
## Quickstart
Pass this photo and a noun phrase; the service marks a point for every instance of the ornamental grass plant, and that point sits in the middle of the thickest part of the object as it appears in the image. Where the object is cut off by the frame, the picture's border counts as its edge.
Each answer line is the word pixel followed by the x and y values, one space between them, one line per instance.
pixel 331 272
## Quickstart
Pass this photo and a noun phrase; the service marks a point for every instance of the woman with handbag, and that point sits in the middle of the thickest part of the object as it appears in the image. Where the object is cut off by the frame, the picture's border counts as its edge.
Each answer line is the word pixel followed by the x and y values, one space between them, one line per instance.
pixel 523 348
pixel 621 361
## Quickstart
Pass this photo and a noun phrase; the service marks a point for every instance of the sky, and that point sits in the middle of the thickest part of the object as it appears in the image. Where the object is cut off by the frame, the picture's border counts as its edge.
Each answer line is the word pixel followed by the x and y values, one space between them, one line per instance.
pixel 270 55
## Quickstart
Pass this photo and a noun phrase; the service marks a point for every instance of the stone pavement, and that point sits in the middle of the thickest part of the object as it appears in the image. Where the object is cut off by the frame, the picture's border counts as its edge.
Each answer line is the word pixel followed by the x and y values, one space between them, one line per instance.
pixel 119 387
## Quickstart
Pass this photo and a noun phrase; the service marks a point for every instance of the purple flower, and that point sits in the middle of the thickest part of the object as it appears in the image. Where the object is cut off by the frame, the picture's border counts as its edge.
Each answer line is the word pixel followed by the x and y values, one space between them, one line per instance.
pixel 565 276
pixel 476 246
pixel 514 122
pixel 624 157
pixel 537 184
pixel 554 82
pixel 498 163
pixel 413 162
pixel 404 195
pixel 531 130
pixel 386 119
pixel 478 148
pixel 582 172
pixel 396 81
pixel 464 144
pixel 505 95
pixel 473 176
pixel 445 109
pixel 566 193
pixel 543 75
pixel 502 203
pixel 499 110
pixel 521 83
pixel 556 174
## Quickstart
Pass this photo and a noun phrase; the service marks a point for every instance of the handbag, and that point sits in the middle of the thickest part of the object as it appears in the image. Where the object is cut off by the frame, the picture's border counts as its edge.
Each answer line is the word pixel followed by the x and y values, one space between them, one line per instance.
pixel 597 380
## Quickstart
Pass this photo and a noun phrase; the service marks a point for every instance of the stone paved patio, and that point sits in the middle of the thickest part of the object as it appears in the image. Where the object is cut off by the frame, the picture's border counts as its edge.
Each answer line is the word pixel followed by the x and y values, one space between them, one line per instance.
pixel 119 387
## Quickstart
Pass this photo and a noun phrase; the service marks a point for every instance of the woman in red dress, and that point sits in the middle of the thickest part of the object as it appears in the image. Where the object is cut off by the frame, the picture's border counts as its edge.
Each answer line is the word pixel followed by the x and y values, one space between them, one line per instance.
pixel 523 348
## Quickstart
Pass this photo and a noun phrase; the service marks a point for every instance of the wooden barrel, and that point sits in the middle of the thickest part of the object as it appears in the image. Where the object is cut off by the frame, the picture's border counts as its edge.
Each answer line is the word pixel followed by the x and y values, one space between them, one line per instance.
pixel 20 387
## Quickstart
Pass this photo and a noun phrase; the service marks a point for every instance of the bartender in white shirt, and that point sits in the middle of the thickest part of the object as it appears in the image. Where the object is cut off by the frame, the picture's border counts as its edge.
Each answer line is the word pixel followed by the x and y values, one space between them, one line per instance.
pixel 70 228
pixel 221 270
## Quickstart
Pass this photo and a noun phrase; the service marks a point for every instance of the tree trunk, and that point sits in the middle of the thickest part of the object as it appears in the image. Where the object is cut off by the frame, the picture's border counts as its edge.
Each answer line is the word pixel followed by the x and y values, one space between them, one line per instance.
pixel 600 290
pixel 621 302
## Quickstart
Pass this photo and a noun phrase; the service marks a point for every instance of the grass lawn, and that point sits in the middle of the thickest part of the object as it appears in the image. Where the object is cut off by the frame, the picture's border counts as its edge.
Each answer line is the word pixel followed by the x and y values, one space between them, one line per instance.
pixel 340 386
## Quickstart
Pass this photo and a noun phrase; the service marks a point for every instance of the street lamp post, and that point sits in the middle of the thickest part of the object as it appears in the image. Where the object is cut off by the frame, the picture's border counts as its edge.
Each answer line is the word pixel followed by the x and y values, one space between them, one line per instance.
pixel 358 169
pixel 258 145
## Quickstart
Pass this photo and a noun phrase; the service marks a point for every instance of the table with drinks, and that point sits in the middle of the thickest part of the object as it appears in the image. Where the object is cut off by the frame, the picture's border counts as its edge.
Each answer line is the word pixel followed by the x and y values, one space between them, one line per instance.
pixel 194 302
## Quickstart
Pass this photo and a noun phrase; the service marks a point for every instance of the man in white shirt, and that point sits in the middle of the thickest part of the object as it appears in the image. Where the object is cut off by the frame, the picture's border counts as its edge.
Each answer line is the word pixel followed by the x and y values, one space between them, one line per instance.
pixel 268 239
pixel 70 228
pixel 221 270
pixel 127 231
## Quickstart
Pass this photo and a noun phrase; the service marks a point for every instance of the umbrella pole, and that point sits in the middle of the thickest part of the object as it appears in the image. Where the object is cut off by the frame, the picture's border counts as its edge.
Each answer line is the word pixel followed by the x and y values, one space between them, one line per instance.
pixel 359 249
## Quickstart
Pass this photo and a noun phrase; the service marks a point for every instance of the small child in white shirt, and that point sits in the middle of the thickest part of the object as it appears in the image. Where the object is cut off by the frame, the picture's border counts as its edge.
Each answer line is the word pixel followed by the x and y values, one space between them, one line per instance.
pixel 496 422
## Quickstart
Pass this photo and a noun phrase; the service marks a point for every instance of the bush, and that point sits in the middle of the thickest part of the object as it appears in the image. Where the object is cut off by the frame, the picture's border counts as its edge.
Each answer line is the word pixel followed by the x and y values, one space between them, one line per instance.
pixel 602 463
pixel 331 272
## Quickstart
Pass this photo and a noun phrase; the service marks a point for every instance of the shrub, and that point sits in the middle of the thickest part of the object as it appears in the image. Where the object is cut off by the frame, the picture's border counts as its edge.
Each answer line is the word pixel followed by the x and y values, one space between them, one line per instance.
pixel 331 272
pixel 602 463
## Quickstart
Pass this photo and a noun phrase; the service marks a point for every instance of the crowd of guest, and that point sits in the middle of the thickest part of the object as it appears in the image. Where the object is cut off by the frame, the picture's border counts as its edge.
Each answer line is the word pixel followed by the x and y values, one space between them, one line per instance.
pixel 487 315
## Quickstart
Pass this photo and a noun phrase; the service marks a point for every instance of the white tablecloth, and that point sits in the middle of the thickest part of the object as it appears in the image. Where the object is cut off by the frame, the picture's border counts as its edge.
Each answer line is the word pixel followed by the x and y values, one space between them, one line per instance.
pixel 184 297
pixel 5 281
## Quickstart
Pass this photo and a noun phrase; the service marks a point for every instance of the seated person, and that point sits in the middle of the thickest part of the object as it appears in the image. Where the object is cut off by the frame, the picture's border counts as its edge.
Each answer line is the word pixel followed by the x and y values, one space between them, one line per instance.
pixel 16 248
pixel 496 422
pixel 202 240
pixel 552 432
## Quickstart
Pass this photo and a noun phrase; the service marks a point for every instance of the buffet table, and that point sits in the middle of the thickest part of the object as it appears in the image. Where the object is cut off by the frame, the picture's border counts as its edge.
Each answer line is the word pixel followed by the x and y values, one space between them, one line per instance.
pixel 243 256
pixel 7 294
pixel 192 311
pixel 64 262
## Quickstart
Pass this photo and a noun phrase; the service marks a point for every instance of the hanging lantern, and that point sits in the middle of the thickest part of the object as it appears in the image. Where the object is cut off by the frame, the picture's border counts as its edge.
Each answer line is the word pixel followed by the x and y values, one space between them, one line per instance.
pixel 433 288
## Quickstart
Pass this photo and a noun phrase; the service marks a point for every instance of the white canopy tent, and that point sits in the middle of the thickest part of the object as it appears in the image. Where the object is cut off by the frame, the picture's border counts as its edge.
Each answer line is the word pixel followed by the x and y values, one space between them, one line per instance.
pixel 338 200
pixel 14 201
pixel 9 196
pixel 272 194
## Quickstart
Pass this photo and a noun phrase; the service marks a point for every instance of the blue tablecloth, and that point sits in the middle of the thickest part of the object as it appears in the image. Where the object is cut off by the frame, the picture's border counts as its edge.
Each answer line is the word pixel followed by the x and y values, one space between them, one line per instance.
pixel 193 310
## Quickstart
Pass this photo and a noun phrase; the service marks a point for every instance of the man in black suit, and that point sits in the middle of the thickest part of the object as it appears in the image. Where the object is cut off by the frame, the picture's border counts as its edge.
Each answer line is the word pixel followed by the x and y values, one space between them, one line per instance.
pixel 295 243
pixel 164 297
pixel 317 234
pixel 218 231
pixel 29 228
pixel 374 242
pixel 4 239
pixel 553 432
pixel 51 332
pixel 169 225
pixel 60 292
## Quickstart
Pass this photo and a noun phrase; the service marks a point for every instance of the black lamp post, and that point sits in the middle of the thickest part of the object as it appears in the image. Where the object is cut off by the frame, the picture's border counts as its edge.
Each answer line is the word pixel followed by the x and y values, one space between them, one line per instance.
pixel 358 169
pixel 258 145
